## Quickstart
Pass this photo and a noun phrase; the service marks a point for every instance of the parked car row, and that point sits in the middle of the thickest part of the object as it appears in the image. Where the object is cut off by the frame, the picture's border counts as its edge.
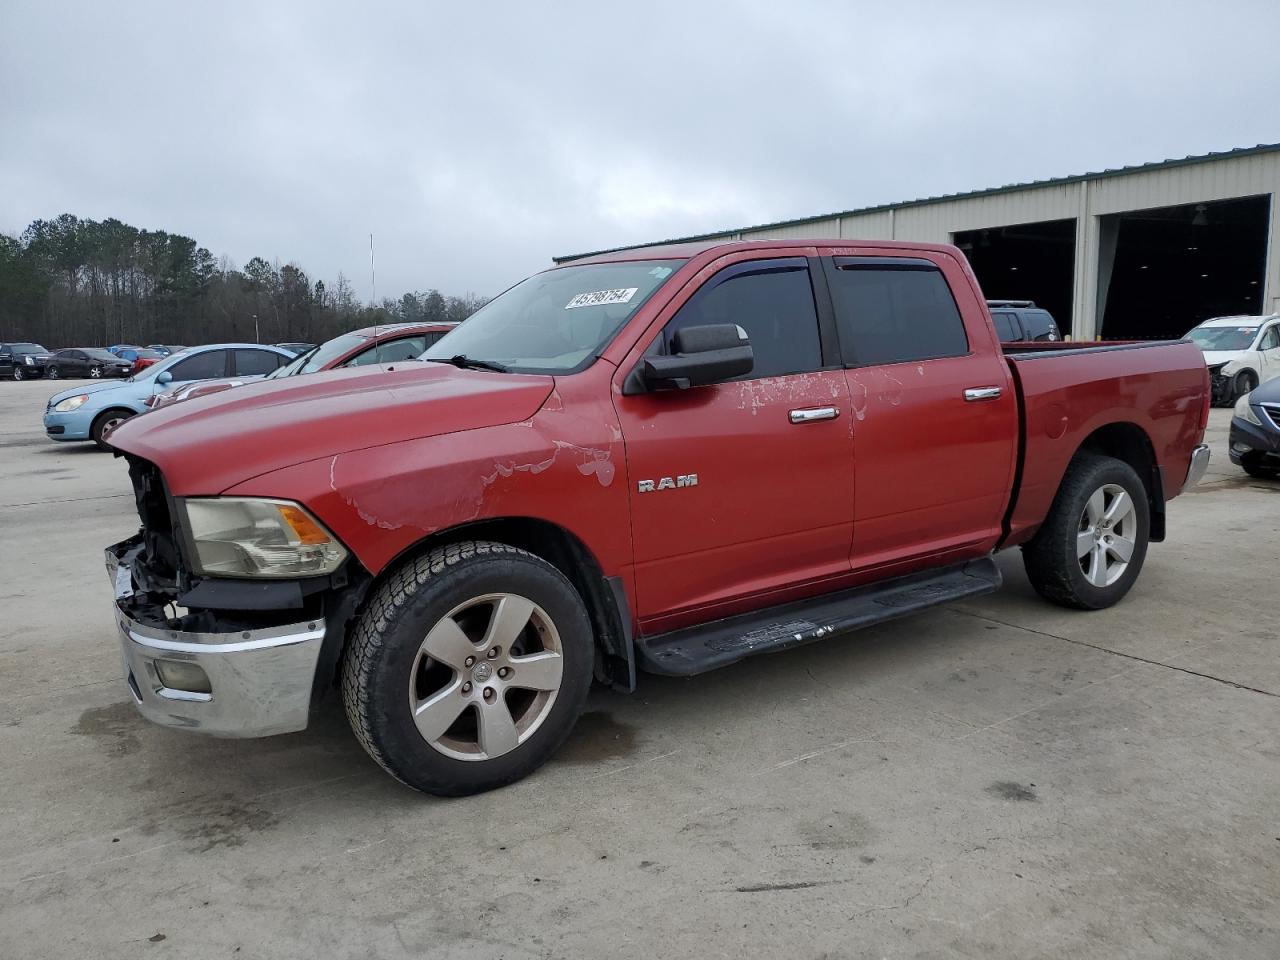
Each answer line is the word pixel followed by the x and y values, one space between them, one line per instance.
pixel 29 361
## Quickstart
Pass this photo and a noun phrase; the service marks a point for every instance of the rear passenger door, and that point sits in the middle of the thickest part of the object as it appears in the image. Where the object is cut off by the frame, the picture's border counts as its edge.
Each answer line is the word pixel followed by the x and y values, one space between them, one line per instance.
pixel 740 491
pixel 256 363
pixel 936 420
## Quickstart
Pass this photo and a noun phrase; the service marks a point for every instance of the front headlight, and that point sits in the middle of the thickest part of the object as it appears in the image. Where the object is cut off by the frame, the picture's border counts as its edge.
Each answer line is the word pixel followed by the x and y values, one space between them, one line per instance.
pixel 29 360
pixel 249 537
pixel 71 403
pixel 1244 410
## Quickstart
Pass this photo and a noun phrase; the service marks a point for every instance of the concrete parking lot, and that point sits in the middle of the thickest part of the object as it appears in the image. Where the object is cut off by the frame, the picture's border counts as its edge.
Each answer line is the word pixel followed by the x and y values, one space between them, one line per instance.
pixel 996 778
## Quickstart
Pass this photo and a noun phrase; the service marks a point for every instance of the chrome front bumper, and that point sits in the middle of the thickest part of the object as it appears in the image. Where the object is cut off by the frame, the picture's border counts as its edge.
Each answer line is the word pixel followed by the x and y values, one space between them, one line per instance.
pixel 259 680
pixel 1199 464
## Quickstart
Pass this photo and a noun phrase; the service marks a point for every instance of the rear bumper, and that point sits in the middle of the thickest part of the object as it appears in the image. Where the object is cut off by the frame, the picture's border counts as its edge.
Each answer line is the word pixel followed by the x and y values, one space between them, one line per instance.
pixel 1199 464
pixel 258 681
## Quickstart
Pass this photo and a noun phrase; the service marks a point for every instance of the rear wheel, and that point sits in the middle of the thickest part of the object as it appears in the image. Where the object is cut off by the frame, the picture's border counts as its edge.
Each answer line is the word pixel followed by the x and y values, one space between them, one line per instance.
pixel 468 668
pixel 106 421
pixel 1092 545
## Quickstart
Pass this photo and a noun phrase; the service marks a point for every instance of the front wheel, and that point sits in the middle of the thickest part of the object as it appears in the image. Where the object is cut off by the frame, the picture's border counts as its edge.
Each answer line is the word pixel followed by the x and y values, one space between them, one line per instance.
pixel 18 373
pixel 51 373
pixel 1090 549
pixel 1246 381
pixel 1255 466
pixel 468 668
pixel 95 373
pixel 104 424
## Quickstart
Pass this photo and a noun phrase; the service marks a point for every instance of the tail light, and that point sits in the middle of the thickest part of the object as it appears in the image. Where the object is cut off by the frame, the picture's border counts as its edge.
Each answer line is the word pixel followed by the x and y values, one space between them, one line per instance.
pixel 1204 408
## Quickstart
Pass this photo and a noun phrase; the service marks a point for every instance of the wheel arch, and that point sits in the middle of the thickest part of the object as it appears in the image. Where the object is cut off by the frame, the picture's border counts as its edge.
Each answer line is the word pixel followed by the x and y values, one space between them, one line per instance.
pixel 1131 444
pixel 603 596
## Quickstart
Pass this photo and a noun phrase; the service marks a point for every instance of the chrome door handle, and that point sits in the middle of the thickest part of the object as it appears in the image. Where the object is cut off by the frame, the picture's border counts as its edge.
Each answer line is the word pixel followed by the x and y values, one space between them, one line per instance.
pixel 813 413
pixel 982 393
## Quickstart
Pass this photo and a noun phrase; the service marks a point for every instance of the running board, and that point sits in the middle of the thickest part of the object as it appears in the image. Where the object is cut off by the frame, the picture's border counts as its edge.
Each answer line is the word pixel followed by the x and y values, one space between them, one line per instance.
pixel 693 650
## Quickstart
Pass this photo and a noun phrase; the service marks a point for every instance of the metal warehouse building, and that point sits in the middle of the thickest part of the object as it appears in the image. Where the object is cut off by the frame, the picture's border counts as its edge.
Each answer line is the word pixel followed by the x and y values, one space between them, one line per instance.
pixel 1139 252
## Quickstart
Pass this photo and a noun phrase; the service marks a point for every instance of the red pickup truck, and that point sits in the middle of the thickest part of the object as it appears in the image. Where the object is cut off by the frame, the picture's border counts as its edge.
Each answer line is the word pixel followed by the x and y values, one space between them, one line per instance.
pixel 662 460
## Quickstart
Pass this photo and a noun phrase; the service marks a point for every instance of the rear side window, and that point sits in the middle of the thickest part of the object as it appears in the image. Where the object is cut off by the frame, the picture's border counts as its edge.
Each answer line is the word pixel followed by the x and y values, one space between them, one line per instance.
pixel 257 363
pixel 772 300
pixel 1039 325
pixel 1006 327
pixel 895 312
pixel 203 366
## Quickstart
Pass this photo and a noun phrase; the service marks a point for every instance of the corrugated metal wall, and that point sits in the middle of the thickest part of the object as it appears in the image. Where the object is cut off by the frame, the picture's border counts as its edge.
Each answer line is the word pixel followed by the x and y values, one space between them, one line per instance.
pixel 1085 200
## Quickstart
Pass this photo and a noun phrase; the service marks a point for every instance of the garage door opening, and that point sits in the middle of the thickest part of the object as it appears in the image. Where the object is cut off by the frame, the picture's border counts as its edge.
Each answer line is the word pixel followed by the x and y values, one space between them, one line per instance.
pixel 1032 261
pixel 1162 271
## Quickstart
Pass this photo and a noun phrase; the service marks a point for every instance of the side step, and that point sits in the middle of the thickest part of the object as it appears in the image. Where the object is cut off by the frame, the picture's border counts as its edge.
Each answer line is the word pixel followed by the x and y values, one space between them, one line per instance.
pixel 693 650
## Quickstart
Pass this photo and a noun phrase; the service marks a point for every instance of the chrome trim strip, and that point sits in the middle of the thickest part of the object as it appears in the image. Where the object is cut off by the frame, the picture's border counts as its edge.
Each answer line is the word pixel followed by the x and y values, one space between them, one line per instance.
pixel 1196 469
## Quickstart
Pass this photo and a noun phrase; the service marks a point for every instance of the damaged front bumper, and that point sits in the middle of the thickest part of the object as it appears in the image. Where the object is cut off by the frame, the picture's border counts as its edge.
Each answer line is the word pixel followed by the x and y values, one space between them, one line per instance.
pixel 223 683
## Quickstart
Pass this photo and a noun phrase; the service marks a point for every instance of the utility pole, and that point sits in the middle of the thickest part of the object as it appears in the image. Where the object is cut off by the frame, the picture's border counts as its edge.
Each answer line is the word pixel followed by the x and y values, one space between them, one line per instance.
pixel 256 338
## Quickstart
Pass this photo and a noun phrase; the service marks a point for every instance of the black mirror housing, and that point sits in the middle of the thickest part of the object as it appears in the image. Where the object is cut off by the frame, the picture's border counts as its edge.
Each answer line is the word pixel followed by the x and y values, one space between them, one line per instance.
pixel 711 353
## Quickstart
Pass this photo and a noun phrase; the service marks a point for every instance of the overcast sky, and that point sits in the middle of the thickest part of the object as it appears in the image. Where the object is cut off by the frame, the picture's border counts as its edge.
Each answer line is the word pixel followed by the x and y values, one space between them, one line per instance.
pixel 475 141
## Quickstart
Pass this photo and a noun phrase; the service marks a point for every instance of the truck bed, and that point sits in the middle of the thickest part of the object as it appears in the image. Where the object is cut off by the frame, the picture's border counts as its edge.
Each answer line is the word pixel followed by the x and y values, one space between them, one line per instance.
pixel 1067 391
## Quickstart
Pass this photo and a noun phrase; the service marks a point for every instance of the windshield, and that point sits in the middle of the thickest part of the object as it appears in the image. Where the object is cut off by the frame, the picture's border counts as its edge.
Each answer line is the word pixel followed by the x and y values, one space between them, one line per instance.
pixel 320 356
pixel 28 348
pixel 1223 338
pixel 99 354
pixel 150 355
pixel 558 321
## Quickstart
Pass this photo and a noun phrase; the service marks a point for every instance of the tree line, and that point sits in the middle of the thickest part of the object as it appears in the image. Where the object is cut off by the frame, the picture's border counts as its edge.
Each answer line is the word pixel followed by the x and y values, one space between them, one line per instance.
pixel 79 282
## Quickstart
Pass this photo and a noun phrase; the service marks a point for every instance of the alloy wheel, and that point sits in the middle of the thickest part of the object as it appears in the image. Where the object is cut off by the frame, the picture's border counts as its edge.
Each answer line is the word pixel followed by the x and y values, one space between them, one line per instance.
pixel 1107 535
pixel 486 677
pixel 95 372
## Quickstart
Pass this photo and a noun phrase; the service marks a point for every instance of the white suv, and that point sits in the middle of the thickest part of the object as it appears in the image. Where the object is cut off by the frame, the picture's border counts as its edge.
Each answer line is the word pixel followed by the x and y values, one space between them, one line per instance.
pixel 1241 352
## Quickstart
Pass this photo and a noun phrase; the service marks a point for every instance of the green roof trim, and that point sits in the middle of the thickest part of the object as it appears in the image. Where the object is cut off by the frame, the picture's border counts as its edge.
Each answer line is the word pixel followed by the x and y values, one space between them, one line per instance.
pixel 948 197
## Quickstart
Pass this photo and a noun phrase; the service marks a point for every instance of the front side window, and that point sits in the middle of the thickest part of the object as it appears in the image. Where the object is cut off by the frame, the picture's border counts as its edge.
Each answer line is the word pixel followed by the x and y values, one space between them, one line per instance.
pixel 895 312
pixel 1270 339
pixel 558 321
pixel 203 366
pixel 772 300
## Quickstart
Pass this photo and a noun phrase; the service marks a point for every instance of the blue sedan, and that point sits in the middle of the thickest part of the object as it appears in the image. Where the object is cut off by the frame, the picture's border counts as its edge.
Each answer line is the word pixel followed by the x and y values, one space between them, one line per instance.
pixel 89 411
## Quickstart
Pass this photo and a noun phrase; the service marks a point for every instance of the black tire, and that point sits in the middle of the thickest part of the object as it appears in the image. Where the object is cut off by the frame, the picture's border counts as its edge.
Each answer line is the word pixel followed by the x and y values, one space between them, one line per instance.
pixel 1246 381
pixel 383 650
pixel 104 420
pixel 17 373
pixel 1051 558
pixel 1254 466
pixel 51 373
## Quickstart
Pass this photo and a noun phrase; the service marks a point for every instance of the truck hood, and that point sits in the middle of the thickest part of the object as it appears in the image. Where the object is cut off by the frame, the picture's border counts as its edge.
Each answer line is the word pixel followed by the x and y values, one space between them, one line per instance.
pixel 1214 357
pixel 205 445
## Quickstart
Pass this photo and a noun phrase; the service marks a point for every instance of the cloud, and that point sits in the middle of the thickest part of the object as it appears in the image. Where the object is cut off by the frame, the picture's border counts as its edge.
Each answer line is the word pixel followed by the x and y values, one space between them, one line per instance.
pixel 476 141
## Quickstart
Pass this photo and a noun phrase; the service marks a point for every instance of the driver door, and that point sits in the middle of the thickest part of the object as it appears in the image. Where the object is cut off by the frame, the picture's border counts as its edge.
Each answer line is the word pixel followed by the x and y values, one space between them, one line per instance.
pixel 741 492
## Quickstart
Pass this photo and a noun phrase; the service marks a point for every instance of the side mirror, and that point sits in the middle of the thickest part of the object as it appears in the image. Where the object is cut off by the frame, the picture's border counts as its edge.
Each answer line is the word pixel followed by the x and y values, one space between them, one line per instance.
pixel 706 354
pixel 164 376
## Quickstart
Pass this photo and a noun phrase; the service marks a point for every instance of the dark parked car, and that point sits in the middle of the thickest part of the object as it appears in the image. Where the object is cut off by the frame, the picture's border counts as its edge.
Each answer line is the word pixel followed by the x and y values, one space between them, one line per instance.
pixel 1021 320
pixel 92 362
pixel 22 361
pixel 297 348
pixel 1255 432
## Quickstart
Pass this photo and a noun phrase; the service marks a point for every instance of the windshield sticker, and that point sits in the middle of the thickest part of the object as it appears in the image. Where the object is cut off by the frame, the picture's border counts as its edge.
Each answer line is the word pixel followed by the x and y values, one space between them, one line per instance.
pixel 660 272
pixel 1246 329
pixel 600 298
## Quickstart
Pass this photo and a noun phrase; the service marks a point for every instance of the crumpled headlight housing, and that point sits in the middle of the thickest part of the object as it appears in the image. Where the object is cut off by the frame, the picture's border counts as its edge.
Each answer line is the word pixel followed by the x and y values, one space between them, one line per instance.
pixel 1244 410
pixel 71 403
pixel 253 537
